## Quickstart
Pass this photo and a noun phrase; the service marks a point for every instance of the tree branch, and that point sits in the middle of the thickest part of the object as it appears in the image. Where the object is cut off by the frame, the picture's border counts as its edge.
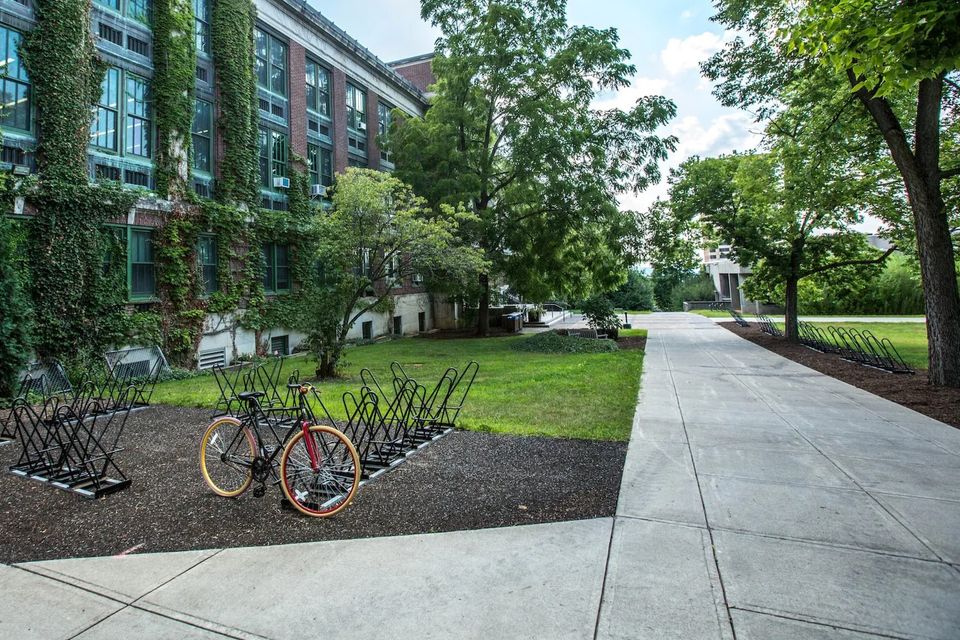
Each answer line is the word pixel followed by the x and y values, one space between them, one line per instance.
pixel 848 263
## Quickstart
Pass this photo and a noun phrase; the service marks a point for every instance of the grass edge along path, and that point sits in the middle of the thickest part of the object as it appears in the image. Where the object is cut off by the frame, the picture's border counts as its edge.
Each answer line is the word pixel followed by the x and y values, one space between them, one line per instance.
pixel 585 396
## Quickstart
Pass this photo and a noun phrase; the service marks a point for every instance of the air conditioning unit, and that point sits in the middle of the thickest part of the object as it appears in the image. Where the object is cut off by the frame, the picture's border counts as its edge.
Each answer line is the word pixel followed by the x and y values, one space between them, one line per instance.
pixel 281 183
pixel 318 191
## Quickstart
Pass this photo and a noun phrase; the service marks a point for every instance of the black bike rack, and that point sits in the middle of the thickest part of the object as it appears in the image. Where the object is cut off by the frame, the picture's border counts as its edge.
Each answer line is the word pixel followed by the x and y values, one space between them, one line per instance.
pixel 738 318
pixel 858 346
pixel 70 435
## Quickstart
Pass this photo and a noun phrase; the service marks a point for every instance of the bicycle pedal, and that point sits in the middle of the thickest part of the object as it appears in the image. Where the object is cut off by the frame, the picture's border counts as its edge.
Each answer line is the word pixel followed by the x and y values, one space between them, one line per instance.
pixel 259 492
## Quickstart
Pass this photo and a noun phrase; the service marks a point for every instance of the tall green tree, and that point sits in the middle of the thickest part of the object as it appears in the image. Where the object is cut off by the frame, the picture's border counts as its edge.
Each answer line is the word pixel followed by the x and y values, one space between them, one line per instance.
pixel 900 62
pixel 512 134
pixel 377 235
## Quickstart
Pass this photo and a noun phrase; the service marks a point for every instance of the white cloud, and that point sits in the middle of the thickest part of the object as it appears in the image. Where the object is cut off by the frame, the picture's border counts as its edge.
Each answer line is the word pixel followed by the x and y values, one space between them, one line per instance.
pixel 686 15
pixel 627 97
pixel 686 54
pixel 724 134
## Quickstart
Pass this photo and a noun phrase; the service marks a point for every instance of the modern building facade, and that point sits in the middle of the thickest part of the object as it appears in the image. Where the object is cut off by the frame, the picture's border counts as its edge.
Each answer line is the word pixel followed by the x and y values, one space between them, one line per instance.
pixel 321 96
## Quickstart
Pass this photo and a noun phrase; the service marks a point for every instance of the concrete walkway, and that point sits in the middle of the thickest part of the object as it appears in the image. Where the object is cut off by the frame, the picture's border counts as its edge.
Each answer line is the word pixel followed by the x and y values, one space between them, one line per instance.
pixel 760 500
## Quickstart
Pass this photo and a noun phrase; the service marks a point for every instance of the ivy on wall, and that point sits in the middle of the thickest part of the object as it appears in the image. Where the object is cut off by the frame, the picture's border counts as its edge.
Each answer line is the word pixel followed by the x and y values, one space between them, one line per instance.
pixel 59 55
pixel 175 62
pixel 231 31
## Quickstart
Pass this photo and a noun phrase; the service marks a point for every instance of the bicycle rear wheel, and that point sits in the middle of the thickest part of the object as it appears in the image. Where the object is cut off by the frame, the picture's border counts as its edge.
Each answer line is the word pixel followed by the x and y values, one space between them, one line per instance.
pixel 227 452
pixel 327 489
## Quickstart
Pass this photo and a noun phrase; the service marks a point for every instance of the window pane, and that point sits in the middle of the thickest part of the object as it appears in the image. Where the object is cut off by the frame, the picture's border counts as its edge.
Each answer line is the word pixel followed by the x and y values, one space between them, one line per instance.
pixel 277 83
pixel 110 4
pixel 110 89
pixel 268 254
pixel 260 44
pixel 141 263
pixel 139 10
pixel 201 153
pixel 279 154
pixel 326 167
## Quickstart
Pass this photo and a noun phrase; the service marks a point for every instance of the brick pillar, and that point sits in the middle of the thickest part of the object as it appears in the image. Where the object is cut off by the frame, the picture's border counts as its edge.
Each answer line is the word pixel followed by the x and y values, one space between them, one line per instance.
pixel 373 130
pixel 339 98
pixel 297 99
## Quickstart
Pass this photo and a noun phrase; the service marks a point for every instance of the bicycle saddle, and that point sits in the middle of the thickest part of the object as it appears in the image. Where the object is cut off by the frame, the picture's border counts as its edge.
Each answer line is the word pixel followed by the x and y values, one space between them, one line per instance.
pixel 246 395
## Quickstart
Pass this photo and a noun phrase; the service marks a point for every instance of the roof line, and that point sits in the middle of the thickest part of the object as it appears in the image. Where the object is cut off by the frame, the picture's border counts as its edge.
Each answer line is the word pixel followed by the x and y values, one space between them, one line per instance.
pixel 420 58
pixel 354 46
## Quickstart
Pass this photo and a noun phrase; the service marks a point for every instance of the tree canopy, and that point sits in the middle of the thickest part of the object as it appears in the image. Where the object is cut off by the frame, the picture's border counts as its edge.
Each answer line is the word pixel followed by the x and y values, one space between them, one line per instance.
pixel 513 132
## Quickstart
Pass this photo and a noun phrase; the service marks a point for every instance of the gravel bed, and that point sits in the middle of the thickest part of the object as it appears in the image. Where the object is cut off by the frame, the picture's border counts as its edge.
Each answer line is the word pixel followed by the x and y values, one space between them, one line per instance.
pixel 466 480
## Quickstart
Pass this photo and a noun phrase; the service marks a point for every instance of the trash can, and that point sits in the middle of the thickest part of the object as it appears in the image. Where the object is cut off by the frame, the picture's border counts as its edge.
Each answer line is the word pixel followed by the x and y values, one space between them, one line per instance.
pixel 512 322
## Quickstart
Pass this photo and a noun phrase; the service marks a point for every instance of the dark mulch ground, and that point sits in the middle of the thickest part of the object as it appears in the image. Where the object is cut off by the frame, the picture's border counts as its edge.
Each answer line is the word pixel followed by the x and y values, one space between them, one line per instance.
pixel 909 390
pixel 464 481
pixel 631 343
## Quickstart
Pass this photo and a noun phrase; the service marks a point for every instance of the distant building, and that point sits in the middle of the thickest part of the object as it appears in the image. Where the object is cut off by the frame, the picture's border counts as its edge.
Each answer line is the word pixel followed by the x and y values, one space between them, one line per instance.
pixel 418 70
pixel 728 276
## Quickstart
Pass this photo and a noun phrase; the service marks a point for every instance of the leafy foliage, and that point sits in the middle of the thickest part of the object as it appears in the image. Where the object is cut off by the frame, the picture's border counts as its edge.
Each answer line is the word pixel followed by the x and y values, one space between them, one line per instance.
pixel 599 313
pixel 378 234
pixel 511 134
pixel 552 342
pixel 15 312
pixel 231 32
pixel 636 294
pixel 172 88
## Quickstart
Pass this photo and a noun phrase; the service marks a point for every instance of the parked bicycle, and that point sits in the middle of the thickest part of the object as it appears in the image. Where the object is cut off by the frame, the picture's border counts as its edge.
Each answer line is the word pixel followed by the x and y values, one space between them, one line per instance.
pixel 316 466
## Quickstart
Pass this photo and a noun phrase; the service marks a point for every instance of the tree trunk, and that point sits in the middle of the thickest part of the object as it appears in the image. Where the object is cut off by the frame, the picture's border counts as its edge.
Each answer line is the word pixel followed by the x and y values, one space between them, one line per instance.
pixel 790 327
pixel 483 313
pixel 920 170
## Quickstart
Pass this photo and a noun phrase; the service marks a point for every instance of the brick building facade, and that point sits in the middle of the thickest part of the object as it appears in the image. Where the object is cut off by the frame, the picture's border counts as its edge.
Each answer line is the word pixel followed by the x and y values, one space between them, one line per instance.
pixel 322 97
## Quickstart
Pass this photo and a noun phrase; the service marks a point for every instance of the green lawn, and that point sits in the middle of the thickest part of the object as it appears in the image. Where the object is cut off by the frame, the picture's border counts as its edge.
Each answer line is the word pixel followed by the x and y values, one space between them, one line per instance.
pixel 910 338
pixel 563 395
pixel 710 313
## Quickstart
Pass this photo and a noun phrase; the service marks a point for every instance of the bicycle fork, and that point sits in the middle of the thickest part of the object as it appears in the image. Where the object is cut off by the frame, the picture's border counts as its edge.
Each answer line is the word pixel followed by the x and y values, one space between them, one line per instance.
pixel 311 447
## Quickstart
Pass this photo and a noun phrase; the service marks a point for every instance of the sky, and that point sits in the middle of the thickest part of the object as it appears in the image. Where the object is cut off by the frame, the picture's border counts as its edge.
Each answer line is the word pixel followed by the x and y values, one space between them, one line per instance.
pixel 667 40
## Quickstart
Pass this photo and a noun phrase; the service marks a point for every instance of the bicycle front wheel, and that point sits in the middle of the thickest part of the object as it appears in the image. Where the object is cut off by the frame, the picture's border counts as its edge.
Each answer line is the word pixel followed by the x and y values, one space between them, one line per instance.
pixel 227 452
pixel 327 487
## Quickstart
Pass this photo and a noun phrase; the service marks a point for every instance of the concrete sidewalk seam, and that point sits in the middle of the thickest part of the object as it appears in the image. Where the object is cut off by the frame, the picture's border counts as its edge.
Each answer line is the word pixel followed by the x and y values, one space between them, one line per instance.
pixel 819 623
pixel 847 475
pixel 713 572
pixel 831 545
pixel 676 523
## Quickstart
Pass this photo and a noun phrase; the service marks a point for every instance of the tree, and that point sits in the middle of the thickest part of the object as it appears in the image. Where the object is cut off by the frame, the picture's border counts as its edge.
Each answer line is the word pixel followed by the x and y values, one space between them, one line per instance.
pixel 511 133
pixel 15 313
pixel 670 244
pixel 636 294
pixel 787 214
pixel 900 61
pixel 378 234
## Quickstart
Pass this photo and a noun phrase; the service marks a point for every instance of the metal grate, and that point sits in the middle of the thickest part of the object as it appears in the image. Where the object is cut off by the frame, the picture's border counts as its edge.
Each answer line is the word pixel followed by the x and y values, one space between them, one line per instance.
pixel 136 178
pixel 106 172
pixel 138 46
pixel 212 358
pixel 280 345
pixel 110 34
pixel 201 74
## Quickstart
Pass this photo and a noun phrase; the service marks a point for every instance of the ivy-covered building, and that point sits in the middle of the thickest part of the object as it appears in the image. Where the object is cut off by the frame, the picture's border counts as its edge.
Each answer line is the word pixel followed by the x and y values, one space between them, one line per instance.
pixel 206 111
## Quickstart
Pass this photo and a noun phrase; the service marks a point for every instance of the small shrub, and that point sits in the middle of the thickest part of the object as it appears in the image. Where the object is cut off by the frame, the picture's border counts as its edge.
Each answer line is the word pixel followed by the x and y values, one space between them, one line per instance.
pixel 600 315
pixel 552 342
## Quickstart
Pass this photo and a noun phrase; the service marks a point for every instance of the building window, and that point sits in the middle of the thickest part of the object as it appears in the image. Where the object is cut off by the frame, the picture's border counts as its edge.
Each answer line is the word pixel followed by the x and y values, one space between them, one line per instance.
pixel 384 119
pixel 367 330
pixel 142 274
pixel 137 134
pixel 14 83
pixel 202 135
pixel 273 157
pixel 201 20
pixel 318 89
pixel 207 263
pixel 276 273
pixel 104 132
pixel 320 160
pixel 356 109
pixel 138 10
pixel 271 63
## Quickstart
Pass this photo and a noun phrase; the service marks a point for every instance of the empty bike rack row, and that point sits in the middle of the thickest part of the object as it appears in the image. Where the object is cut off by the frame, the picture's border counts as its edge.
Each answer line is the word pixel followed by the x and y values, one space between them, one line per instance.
pixel 70 434
pixel 386 422
pixel 768 326
pixel 738 318
pixel 860 346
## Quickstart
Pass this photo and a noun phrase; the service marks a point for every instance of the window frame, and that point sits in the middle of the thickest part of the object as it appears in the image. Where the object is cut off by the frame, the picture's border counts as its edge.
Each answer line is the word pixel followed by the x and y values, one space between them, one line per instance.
pixel 269 63
pixel 270 158
pixel 121 115
pixel 319 70
pixel 215 264
pixel 384 122
pixel 16 80
pixel 353 110
pixel 268 251
pixel 123 9
pixel 131 295
pixel 208 137
pixel 201 27
pixel 315 164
